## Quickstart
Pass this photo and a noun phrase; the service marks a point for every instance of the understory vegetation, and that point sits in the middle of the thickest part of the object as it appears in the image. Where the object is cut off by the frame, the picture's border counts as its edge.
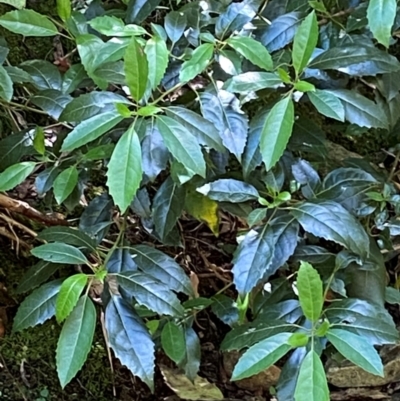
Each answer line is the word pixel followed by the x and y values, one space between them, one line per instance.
pixel 176 165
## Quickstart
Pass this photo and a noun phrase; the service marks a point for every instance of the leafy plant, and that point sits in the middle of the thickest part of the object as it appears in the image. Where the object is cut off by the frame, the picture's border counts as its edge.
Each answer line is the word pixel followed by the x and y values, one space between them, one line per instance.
pixel 218 105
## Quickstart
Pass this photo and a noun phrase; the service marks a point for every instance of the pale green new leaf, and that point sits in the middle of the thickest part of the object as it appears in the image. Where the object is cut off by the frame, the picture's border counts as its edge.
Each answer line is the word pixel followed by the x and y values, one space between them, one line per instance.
pixel 381 15
pixel 15 175
pixel 262 355
pixel 59 253
pixel 64 9
pixel 327 104
pixel 182 144
pixel 357 350
pixel 309 286
pixel 6 85
pixel 69 294
pixel 252 50
pixel 65 183
pixel 136 69
pixel 75 340
pixel 91 129
pixel 304 43
pixel 276 132
pixel 28 23
pixel 173 341
pixel 125 169
pixel 311 382
pixel 198 62
pixel 157 56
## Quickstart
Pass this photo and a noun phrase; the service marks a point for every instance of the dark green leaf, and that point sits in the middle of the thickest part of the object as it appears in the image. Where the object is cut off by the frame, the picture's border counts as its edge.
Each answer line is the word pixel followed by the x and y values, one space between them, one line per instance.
pixel 125 169
pixel 37 307
pixel 277 131
pixel 138 10
pixel 51 101
pixel 183 146
pixel 28 23
pixel 311 382
pixel 6 85
pixel 252 81
pixel 43 74
pixel 65 183
pixel 120 261
pixel 225 308
pixel 173 341
pixel 75 340
pixel 357 350
pixel 191 363
pixel 130 339
pixel 175 24
pixel 261 356
pixel 151 293
pixel 67 235
pixel 162 267
pixel 331 221
pixel 59 253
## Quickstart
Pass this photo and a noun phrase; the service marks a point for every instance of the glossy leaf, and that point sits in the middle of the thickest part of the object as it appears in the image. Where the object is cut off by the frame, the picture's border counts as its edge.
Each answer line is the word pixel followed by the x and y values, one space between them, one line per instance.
pixel 67 235
pixel 261 356
pixel 51 101
pixel 65 183
pixel 43 74
pixel 252 50
pixel 252 259
pixel 157 57
pixel 191 362
pixel 15 175
pixel 138 10
pixel 182 145
pixel 200 59
pixel 64 9
pixel 276 132
pixel 311 382
pixel 304 43
pixel 229 190
pixel 357 350
pixel 175 24
pixel 75 340
pixel 6 85
pixel 28 23
pixel 381 16
pixel 125 169
pixel 136 69
pixel 331 221
pixel 225 309
pixel 69 295
pixel 59 253
pixel 113 26
pixel 91 129
pixel 37 307
pixel 327 104
pixel 252 81
pixel 173 341
pixel 309 286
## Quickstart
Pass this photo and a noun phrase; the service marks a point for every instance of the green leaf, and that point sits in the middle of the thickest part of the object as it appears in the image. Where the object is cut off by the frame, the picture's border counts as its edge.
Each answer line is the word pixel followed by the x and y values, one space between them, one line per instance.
pixel 64 9
pixel 136 69
pixel 6 85
pixel 357 350
pixel 37 307
pixel 112 26
pixel 229 190
pixel 130 339
pixel 15 3
pixel 162 267
pixel 262 355
pixel 183 146
pixel 43 74
pixel 65 183
pixel 191 362
pixel 125 169
pixel 200 59
pixel 151 293
pixel 15 175
pixel 175 24
pixel 381 15
pixel 157 56
pixel 203 130
pixel 39 141
pixel 311 382
pixel 327 104
pixel 36 275
pixel 69 294
pixel 75 340
pixel 28 23
pixel 276 132
pixel 91 129
pixel 138 10
pixel 252 50
pixel 51 101
pixel 67 235
pixel 304 43
pixel 225 308
pixel 252 259
pixel 252 81
pixel 59 253
pixel 173 341
pixel 311 296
